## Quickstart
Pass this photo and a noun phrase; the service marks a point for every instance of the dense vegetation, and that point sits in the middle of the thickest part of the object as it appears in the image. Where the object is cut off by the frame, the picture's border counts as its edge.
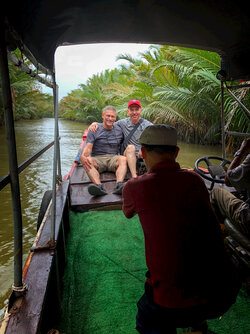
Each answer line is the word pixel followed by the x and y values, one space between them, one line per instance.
pixel 176 86
pixel 28 100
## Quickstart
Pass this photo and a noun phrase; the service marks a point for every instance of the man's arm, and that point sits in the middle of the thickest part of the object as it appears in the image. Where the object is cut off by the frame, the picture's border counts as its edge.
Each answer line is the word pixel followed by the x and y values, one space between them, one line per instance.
pixel 93 127
pixel 128 206
pixel 85 156
pixel 239 156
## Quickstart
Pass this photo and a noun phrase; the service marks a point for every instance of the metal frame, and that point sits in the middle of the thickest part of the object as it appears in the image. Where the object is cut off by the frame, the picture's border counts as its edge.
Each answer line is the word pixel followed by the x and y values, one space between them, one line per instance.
pixel 56 166
pixel 6 179
pixel 19 63
pixel 18 287
pixel 12 155
pixel 223 127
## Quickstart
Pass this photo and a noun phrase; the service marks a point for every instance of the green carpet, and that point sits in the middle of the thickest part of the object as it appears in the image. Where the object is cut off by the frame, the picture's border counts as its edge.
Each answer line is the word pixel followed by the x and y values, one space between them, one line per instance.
pixel 105 277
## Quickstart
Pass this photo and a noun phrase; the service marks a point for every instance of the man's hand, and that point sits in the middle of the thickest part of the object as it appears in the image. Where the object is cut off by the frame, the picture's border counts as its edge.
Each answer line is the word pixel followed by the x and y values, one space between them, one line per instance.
pixel 240 155
pixel 245 147
pixel 93 127
pixel 139 154
pixel 86 162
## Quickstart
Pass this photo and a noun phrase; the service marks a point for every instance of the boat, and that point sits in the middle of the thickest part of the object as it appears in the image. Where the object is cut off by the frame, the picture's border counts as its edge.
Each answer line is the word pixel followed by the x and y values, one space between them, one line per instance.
pixel 38 302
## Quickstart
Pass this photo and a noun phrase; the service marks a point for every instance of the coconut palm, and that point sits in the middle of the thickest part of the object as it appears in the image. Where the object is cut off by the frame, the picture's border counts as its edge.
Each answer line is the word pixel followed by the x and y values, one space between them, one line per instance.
pixel 180 87
pixel 175 85
pixel 28 101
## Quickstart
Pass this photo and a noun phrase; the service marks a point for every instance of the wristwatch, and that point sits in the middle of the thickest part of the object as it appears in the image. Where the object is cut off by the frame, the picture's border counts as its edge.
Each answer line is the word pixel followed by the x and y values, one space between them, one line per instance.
pixel 237 154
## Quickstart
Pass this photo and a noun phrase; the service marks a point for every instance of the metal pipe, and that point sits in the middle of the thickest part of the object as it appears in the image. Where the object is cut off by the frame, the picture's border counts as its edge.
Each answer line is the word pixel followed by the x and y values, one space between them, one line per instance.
pixel 55 163
pixel 240 134
pixel 222 121
pixel 247 112
pixel 239 86
pixel 58 143
pixel 29 71
pixel 13 167
pixel 6 179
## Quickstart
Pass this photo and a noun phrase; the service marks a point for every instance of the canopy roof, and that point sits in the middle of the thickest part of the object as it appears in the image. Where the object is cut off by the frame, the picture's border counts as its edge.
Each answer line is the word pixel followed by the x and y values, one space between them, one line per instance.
pixel 221 26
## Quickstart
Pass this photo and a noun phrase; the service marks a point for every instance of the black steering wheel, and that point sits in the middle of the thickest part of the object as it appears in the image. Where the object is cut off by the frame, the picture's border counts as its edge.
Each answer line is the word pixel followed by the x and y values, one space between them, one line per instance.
pixel 213 173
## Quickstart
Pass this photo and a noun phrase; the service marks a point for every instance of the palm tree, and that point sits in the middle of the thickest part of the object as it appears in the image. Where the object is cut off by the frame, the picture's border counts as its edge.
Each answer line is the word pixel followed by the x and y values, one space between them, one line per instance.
pixel 175 85
pixel 179 86
pixel 28 101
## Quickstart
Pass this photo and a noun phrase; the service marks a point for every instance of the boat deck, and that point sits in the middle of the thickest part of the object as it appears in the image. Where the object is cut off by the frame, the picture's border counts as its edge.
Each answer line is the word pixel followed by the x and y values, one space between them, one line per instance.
pixel 105 274
pixel 81 200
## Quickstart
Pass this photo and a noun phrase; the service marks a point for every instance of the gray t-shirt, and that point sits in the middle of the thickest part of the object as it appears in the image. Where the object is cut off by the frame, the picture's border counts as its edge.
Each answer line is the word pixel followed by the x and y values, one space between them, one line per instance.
pixel 127 126
pixel 105 141
pixel 239 177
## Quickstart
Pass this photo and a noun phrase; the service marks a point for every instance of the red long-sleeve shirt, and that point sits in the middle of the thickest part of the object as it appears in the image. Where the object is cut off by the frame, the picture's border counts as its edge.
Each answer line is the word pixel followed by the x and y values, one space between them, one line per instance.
pixel 182 236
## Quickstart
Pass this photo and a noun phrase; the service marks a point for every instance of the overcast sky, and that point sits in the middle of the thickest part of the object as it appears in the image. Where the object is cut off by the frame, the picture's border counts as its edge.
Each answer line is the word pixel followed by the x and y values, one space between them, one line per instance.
pixel 75 64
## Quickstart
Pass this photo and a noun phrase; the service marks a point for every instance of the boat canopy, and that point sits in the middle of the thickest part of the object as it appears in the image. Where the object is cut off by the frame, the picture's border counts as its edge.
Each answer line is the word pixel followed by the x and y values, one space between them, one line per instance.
pixel 221 26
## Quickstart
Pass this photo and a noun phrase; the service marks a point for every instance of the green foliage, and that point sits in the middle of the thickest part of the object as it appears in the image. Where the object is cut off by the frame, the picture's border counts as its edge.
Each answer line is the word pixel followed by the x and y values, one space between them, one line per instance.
pixel 175 85
pixel 87 102
pixel 28 101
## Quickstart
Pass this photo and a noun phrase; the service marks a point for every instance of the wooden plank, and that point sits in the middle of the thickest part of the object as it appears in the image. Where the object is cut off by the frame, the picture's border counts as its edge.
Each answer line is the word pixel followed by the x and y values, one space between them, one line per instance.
pixel 25 318
pixel 79 176
pixel 80 196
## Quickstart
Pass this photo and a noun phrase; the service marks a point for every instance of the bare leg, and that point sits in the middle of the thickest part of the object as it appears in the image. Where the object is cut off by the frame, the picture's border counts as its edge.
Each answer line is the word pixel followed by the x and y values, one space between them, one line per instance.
pixel 93 173
pixel 131 158
pixel 121 168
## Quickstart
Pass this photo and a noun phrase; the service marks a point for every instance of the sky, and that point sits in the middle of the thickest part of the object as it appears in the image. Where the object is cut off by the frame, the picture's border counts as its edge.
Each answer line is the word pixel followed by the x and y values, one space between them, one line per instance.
pixel 75 64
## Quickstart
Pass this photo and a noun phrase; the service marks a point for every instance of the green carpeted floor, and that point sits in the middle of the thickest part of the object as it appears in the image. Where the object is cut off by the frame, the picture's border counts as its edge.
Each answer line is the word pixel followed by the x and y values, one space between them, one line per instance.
pixel 105 276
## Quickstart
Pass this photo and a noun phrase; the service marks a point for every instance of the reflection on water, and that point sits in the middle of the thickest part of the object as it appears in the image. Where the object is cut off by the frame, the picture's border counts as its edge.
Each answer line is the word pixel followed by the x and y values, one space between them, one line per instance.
pixel 31 136
pixel 189 153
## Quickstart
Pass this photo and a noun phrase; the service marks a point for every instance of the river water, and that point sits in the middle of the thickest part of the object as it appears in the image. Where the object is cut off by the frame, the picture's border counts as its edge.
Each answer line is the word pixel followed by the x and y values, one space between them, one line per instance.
pixel 31 136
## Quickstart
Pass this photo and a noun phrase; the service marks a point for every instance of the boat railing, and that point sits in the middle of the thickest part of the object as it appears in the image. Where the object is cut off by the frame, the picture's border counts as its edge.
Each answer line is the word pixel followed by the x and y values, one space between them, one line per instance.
pixel 6 179
pixel 225 126
pixel 18 287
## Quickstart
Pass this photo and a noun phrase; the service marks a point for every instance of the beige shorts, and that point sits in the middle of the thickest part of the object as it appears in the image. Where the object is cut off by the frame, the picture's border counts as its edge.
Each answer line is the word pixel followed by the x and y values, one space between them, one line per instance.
pixel 106 162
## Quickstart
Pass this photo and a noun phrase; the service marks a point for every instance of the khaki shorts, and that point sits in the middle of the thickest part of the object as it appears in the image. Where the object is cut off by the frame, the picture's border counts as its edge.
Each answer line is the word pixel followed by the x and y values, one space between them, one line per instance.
pixel 106 162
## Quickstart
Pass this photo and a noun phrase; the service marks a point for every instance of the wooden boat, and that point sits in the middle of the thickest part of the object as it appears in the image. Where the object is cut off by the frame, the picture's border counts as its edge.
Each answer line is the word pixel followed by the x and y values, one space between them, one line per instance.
pixel 37 28
pixel 44 308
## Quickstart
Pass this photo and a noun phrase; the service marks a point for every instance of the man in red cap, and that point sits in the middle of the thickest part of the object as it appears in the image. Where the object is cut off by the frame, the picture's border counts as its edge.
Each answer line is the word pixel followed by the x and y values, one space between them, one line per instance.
pixel 132 129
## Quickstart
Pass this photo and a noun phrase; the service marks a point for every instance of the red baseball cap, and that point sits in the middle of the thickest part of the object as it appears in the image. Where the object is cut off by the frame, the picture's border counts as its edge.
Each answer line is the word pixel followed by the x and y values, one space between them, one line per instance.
pixel 134 102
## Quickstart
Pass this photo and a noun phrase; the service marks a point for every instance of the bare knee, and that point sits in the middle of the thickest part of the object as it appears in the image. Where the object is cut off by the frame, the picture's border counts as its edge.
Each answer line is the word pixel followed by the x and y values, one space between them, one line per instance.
pixel 130 149
pixel 122 160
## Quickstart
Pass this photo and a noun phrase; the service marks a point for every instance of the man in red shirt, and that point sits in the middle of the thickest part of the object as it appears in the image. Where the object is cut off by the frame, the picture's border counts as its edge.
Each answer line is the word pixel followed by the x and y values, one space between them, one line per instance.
pixel 190 278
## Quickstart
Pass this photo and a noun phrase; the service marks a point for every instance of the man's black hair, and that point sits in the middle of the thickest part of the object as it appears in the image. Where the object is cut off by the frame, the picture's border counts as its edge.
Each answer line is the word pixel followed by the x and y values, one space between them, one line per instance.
pixel 160 149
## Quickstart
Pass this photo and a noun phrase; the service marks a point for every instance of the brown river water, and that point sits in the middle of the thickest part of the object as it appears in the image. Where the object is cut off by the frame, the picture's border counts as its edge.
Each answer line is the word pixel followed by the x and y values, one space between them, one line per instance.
pixel 32 136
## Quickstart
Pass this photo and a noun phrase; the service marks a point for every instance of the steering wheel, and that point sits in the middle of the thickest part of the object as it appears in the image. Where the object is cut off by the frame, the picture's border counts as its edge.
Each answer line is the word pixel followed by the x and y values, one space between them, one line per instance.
pixel 214 173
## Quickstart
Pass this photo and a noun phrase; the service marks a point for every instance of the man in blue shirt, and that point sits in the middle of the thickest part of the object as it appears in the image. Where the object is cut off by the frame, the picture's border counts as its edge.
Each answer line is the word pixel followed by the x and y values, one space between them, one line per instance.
pixel 101 154
pixel 132 148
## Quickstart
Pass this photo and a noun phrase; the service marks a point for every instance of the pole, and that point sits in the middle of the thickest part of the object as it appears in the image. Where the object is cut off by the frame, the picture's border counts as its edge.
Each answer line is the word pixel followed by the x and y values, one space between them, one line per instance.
pixel 55 164
pixel 222 121
pixel 247 112
pixel 12 155
pixel 58 143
